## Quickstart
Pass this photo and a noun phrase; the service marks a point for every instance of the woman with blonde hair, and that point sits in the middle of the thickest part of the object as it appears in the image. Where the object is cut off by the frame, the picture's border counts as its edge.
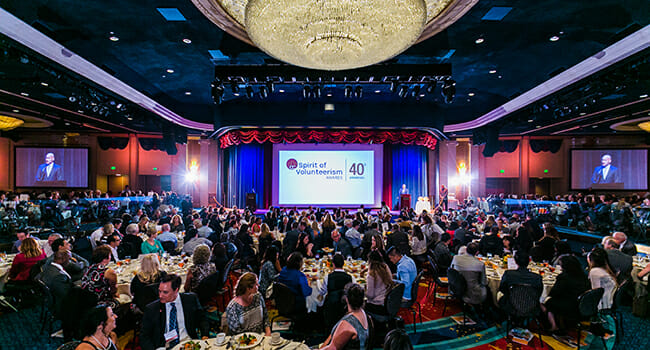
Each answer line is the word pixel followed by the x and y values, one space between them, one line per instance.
pixel 266 238
pixel 201 268
pixel 30 254
pixel 247 311
pixel 149 273
pixel 152 245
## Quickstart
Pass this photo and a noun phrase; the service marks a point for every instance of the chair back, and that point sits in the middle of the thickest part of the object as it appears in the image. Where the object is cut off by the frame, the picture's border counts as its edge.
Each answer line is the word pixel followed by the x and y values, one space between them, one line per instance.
pixel 619 294
pixel 457 283
pixel 284 298
pixel 36 269
pixel 146 295
pixel 226 273
pixel 415 286
pixel 168 246
pixel 393 299
pixel 71 345
pixel 208 287
pixel 524 300
pixel 588 302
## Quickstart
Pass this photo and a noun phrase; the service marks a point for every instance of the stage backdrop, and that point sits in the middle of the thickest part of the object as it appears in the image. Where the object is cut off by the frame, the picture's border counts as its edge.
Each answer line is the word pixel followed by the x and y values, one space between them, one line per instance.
pixel 409 166
pixel 245 173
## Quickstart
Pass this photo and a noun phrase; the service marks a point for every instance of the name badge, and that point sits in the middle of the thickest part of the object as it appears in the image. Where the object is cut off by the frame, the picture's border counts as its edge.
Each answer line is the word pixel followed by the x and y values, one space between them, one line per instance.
pixel 171 335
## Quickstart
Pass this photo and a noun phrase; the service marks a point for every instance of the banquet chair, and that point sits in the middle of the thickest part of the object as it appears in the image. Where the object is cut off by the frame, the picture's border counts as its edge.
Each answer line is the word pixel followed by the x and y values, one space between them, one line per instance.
pixel 413 302
pixel 392 304
pixel 524 306
pixel 457 289
pixel 224 286
pixel 71 345
pixel 588 308
pixel 169 247
pixel 614 311
pixel 285 301
pixel 437 281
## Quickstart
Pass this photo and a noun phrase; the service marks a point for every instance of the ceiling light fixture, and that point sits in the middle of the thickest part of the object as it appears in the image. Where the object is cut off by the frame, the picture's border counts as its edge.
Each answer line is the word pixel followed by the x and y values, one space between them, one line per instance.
pixel 333 34
pixel 470 94
pixel 643 96
pixel 492 71
pixel 170 71
pixel 249 92
pixel 44 83
pixel 187 41
pixel 15 111
pixel 480 40
pixel 554 38
pixel 113 38
pixel 358 91
pixel 24 94
pixel 264 92
pixel 347 92
pixel 448 90
pixel 9 123
pixel 187 93
pixel 403 91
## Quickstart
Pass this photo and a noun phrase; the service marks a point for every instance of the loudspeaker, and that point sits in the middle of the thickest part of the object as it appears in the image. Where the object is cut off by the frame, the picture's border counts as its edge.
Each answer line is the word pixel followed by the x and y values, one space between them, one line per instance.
pixel 251 201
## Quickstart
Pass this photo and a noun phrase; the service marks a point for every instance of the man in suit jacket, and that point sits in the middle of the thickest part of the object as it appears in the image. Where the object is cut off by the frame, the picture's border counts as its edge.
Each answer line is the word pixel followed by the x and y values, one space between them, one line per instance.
pixel 620 262
pixel 474 272
pixel 49 171
pixel 625 245
pixel 290 241
pixel 519 276
pixel 159 326
pixel 341 244
pixel 57 279
pixel 606 173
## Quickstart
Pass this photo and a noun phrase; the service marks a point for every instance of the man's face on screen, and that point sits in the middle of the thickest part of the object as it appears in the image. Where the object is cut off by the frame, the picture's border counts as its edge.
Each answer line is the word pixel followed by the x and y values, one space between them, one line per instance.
pixel 605 160
pixel 49 158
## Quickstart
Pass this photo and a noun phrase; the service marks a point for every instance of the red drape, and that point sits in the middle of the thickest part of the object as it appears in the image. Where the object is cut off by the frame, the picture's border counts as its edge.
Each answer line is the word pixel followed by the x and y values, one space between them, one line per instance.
pixel 416 137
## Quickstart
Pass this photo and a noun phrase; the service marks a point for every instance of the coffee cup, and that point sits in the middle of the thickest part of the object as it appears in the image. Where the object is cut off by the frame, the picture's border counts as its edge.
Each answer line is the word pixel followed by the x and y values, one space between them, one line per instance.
pixel 221 338
pixel 275 338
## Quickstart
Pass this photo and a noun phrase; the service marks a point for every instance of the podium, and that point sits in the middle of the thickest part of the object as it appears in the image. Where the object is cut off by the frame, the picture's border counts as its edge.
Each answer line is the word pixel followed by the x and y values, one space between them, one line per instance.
pixel 251 201
pixel 404 201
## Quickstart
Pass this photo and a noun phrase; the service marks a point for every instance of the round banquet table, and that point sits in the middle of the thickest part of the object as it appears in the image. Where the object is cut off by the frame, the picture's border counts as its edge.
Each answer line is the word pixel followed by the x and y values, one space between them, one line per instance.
pixel 317 270
pixel 265 344
pixel 494 269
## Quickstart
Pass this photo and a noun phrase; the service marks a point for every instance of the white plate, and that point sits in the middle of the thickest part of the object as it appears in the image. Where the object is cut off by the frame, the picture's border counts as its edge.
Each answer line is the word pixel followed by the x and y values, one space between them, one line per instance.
pixel 281 342
pixel 258 340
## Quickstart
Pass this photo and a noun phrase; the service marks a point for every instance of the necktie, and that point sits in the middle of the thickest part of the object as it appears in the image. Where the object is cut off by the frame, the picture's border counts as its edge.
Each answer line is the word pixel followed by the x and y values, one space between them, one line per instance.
pixel 173 324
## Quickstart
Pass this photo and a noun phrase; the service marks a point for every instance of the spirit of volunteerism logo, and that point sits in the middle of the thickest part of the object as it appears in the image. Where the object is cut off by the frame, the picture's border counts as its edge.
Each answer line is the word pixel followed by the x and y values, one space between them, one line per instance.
pixel 312 168
pixel 292 164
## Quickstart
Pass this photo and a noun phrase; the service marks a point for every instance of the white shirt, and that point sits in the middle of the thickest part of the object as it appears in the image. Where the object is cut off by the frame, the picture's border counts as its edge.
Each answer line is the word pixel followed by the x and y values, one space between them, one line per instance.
pixel 605 172
pixel 61 268
pixel 114 252
pixel 96 236
pixel 180 317
pixel 48 169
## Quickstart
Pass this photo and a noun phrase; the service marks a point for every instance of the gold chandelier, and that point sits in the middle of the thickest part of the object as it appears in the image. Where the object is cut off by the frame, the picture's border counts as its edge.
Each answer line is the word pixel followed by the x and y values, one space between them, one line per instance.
pixel 333 34
pixel 9 123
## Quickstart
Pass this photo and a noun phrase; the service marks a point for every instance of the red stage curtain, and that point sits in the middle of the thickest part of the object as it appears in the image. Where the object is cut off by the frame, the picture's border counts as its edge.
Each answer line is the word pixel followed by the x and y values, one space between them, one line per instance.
pixel 419 138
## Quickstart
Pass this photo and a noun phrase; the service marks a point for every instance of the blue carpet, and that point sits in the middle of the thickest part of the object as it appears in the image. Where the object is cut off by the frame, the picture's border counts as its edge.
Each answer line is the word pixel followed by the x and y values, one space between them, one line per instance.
pixel 21 330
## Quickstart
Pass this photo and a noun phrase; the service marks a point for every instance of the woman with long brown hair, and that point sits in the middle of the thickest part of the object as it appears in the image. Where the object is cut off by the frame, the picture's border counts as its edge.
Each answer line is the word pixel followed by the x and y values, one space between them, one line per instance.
pixel 327 227
pixel 379 281
pixel 30 254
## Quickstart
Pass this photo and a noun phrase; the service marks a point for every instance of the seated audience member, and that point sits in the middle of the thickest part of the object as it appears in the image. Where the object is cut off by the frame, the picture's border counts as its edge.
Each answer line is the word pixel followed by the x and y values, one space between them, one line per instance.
pixel 21 236
pixel 398 239
pixel 99 279
pixel 397 339
pixel 294 279
pixel 172 319
pixel 149 274
pixel 546 244
pixel 143 223
pixel 406 271
pixel 247 311
pixel 200 269
pixel 203 231
pixel 193 242
pixel 270 268
pixel 602 276
pixel 246 245
pixel 117 224
pixel 219 256
pixel 379 281
pixel 620 262
pixel 305 245
pixel 490 243
pixel 97 329
pixel 265 238
pixel 290 241
pixel 625 245
pixel 332 288
pixel 523 239
pixel 442 253
pixel 352 234
pixel 132 241
pixel 463 235
pixel 340 244
pixel 377 244
pixel 561 248
pixel 474 272
pixel 167 235
pixel 519 276
pixel 508 244
pixel 563 297
pixel 176 224
pixel 47 247
pixel 368 235
pixel 76 266
pixel 100 235
pixel 352 331
pixel 30 254
pixel 152 244
pixel 418 245
pixel 57 279
pixel 113 242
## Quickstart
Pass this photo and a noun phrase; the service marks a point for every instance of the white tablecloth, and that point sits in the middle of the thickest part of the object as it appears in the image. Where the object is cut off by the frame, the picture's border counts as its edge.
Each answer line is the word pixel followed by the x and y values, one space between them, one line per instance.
pixel 264 345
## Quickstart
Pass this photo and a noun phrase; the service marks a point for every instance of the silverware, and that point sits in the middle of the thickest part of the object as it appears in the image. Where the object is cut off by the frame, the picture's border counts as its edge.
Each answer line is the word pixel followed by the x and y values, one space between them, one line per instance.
pixel 283 345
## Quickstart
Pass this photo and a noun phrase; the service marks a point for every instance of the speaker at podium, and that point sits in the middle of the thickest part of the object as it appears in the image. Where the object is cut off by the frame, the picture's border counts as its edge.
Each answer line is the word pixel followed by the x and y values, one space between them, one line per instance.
pixel 251 201
pixel 404 201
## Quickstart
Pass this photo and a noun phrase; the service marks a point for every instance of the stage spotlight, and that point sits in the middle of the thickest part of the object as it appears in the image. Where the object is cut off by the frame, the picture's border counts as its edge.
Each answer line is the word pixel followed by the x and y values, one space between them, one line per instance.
pixel 270 85
pixel 431 88
pixel 249 91
pixel 264 92
pixel 393 86
pixel 449 90
pixel 415 92
pixel 217 93
pixel 306 91
pixel 191 177
pixel 358 91
pixel 234 87
pixel 403 91
pixel 72 98
pixel 347 92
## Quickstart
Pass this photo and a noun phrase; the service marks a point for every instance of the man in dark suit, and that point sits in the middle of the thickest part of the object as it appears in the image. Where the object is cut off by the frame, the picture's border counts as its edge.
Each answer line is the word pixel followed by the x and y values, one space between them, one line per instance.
pixel 57 279
pixel 332 288
pixel 625 245
pixel 519 276
pixel 173 318
pixel 290 241
pixel 606 173
pixel 49 171
pixel 620 262
pixel 341 244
